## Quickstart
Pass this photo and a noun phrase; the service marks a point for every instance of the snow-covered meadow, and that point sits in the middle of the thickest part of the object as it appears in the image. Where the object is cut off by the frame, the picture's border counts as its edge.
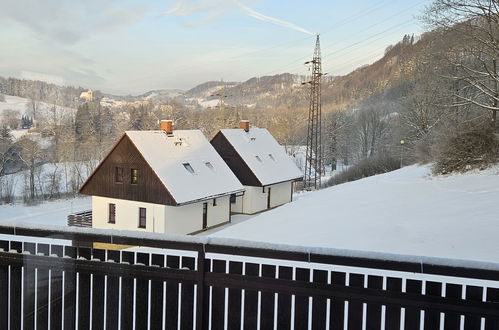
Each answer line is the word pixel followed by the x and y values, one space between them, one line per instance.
pixel 407 211
pixel 52 213
pixel 45 110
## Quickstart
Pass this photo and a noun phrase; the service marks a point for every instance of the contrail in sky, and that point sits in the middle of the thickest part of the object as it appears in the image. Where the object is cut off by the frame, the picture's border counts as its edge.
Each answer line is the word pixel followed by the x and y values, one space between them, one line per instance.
pixel 184 8
pixel 272 20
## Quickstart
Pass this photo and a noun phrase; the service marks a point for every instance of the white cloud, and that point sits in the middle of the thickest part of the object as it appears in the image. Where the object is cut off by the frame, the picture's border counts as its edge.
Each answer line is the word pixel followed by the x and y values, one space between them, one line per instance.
pixel 68 22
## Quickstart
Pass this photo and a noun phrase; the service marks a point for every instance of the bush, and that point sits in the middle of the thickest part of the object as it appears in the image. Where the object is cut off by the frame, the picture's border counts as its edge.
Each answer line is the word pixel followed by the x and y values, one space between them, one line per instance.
pixel 377 164
pixel 471 148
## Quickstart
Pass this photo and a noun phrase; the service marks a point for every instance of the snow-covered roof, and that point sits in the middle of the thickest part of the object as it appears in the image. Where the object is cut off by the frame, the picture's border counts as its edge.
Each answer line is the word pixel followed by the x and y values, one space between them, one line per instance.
pixel 405 212
pixel 186 163
pixel 266 158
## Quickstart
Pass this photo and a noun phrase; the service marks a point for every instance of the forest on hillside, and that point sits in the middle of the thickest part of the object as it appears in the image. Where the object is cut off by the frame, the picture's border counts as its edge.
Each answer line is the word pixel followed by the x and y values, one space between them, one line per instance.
pixel 430 98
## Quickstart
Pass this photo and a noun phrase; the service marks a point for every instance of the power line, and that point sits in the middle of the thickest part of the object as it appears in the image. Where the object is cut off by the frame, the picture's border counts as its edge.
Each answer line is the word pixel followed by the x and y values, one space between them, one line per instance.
pixel 301 59
pixel 370 37
pixel 352 18
pixel 355 17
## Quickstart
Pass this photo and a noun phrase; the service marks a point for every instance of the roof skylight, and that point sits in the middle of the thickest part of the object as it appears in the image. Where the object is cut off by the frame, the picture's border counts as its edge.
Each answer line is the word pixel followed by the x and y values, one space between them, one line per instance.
pixel 189 168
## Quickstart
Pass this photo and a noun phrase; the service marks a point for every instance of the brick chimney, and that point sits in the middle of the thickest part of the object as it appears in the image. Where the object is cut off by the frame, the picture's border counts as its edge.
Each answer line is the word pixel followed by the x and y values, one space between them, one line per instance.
pixel 245 125
pixel 167 126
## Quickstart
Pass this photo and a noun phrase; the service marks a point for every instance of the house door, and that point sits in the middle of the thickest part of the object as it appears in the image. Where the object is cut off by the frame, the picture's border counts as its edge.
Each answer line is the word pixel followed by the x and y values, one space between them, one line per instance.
pixel 268 197
pixel 205 215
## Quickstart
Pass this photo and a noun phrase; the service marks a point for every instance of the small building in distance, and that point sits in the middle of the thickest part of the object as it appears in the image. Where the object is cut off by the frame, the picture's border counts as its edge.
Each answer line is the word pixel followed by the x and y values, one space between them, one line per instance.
pixel 261 164
pixel 87 96
pixel 165 181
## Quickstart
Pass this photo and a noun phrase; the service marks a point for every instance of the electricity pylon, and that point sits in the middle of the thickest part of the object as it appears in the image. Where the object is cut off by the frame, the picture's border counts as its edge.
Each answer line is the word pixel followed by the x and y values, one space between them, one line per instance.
pixel 313 161
pixel 221 94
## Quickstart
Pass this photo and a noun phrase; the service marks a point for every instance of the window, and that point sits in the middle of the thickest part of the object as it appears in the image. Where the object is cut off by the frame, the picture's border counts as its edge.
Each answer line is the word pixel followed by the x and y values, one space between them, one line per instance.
pixel 112 213
pixel 258 158
pixel 214 202
pixel 271 157
pixel 208 164
pixel 188 167
pixel 233 198
pixel 142 217
pixel 119 175
pixel 134 176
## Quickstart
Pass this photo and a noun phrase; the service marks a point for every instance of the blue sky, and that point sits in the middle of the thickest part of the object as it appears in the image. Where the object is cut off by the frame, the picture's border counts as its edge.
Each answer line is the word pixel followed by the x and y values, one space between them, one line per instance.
pixel 128 46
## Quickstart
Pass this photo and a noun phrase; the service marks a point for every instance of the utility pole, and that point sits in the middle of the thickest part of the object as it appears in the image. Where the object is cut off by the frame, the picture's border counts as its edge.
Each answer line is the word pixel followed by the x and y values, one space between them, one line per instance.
pixel 313 162
pixel 221 94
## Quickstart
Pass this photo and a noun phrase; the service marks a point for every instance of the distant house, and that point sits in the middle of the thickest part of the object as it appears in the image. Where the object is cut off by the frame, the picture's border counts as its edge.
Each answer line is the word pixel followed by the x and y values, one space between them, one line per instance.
pixel 261 164
pixel 87 96
pixel 166 181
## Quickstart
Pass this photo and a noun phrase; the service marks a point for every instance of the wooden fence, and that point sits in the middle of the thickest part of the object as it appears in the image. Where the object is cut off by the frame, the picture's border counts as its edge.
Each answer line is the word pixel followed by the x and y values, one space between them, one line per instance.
pixel 198 283
pixel 80 219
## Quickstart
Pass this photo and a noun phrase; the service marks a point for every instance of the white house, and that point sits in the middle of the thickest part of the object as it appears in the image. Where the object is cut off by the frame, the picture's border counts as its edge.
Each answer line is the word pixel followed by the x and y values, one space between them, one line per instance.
pixel 261 164
pixel 166 181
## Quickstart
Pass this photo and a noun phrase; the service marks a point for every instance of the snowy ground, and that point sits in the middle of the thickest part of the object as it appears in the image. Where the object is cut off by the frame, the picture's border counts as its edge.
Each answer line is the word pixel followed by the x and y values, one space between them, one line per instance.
pixel 403 212
pixel 54 213
pixel 44 109
pixel 65 172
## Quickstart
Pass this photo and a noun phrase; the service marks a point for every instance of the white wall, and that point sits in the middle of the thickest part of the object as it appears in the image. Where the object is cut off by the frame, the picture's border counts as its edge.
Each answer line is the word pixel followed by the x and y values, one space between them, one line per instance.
pixel 280 193
pixel 159 218
pixel 220 213
pixel 237 207
pixel 255 199
pixel 189 218
pixel 127 214
pixel 184 219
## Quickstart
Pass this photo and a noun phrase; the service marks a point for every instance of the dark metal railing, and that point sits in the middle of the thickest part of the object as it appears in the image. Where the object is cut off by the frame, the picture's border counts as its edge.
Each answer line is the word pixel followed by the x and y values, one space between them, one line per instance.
pixel 203 283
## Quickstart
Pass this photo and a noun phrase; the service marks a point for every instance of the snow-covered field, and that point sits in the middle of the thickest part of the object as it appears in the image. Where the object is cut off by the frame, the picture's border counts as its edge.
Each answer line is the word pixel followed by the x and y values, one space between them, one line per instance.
pixel 407 211
pixel 52 213
pixel 44 109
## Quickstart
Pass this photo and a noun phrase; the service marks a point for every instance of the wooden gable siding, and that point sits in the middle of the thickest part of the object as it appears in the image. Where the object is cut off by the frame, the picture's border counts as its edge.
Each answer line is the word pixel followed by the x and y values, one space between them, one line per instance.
pixel 149 188
pixel 238 166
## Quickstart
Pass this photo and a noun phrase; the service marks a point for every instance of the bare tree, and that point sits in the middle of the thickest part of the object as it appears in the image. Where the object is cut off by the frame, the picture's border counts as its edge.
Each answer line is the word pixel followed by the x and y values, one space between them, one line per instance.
pixel 475 23
pixel 334 129
pixel 372 123
pixel 33 108
pixel 11 118
pixel 31 155
pixel 5 147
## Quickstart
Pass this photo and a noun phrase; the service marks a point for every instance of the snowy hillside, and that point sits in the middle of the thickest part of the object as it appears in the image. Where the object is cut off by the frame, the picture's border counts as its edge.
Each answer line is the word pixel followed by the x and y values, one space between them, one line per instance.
pixel 22 105
pixel 403 212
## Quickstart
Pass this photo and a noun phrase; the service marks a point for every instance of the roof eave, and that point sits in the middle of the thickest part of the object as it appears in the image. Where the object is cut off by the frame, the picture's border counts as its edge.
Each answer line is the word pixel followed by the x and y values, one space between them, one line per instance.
pixel 202 199
pixel 293 180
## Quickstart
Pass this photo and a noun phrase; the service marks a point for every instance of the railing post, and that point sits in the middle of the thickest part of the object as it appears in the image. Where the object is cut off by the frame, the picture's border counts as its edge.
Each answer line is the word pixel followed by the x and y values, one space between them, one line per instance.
pixel 200 288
